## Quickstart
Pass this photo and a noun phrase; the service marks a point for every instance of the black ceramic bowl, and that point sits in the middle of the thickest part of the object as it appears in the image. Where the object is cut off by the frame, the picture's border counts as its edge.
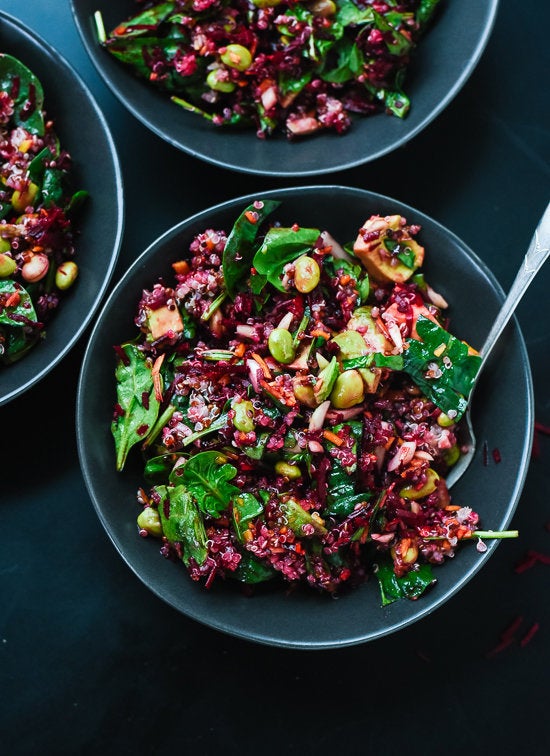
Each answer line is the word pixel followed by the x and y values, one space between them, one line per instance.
pixel 307 620
pixel 441 65
pixel 83 131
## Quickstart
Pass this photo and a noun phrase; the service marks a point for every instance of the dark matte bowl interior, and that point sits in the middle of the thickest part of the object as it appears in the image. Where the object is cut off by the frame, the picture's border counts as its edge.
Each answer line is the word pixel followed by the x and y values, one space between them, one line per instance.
pixel 307 620
pixel 441 65
pixel 83 131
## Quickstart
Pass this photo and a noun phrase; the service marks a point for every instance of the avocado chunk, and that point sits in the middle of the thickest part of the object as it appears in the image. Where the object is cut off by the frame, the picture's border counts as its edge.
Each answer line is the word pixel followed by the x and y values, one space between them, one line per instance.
pixel 351 344
pixel 387 250
pixel 363 322
pixel 326 380
pixel 163 320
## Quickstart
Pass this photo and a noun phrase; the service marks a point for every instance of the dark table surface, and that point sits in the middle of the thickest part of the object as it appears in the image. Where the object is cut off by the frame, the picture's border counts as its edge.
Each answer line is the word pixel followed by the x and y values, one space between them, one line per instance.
pixel 92 662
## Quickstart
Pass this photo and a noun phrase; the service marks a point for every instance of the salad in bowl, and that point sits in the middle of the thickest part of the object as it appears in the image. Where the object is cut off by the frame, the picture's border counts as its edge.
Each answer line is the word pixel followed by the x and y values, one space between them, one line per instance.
pixel 297 405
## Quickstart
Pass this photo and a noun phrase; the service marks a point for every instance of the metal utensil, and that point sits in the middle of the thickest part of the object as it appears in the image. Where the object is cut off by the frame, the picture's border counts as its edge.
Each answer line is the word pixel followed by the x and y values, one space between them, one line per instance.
pixel 537 253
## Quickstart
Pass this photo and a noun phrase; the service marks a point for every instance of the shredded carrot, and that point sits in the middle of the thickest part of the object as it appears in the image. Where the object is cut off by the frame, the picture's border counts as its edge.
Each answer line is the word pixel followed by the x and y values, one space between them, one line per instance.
pixel 181 267
pixel 156 376
pixel 330 436
pixel 345 279
pixel 240 349
pixel 404 546
pixel 262 363
pixel 13 299
pixel 251 216
pixel 452 507
pixel 318 332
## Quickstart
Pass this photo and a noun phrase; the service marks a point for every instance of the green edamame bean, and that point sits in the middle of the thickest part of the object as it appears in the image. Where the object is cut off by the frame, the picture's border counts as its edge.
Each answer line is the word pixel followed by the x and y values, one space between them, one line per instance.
pixel 236 56
pixel 410 492
pixel 306 274
pixel 281 345
pixel 266 3
pixel 444 421
pixel 324 8
pixel 21 199
pixel 290 471
pixel 452 455
pixel 244 414
pixel 218 81
pixel 348 390
pixel 66 275
pixel 7 265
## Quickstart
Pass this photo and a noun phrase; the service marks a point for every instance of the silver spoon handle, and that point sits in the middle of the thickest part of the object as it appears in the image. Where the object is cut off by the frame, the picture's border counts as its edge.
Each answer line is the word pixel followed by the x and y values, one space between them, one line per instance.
pixel 536 255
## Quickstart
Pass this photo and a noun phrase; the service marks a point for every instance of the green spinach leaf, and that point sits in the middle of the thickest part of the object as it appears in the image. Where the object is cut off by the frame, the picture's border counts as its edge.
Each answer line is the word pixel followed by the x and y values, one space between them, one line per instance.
pixel 27 93
pixel 24 306
pixel 206 475
pixel 251 570
pixel 410 586
pixel 182 523
pixel 246 508
pixel 136 398
pixel 441 365
pixel 241 244
pixel 281 246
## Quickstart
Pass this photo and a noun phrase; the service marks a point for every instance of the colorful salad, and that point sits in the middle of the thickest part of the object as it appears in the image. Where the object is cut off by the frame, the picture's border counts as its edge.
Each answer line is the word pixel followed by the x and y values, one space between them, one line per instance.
pixel 36 209
pixel 275 65
pixel 296 404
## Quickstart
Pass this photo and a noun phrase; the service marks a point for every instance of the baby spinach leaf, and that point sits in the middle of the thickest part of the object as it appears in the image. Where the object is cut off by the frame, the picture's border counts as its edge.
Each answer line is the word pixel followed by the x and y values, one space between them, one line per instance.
pixel 53 187
pixel 374 359
pixel 426 10
pixel 442 355
pixel 157 469
pixel 241 243
pixel 182 523
pixel 26 91
pixel 298 518
pixel 410 586
pixel 246 508
pixel 145 22
pixel 136 51
pixel 136 398
pixel 37 166
pixel 342 496
pixel 281 246
pixel 399 104
pixel 206 475
pixel 14 344
pixel 23 308
pixel 349 14
pixel 396 42
pixel 216 425
pixel 251 570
